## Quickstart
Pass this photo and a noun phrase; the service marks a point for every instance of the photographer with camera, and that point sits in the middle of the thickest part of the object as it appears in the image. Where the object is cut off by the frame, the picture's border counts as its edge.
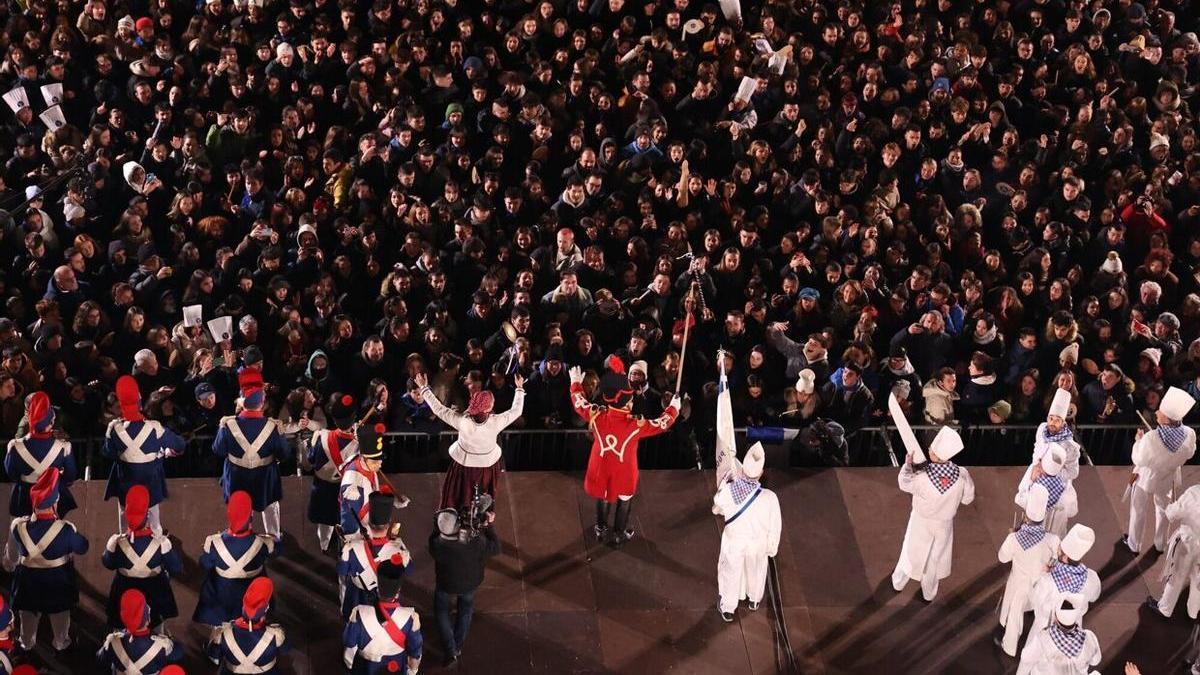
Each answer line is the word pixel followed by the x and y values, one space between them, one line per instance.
pixel 460 553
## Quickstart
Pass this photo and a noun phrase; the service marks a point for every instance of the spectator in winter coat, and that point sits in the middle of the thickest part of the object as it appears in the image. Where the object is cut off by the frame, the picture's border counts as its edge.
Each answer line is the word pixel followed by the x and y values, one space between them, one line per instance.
pixel 813 354
pixel 980 391
pixel 1021 357
pixel 940 396
pixel 847 400
pixel 1108 398
pixel 549 391
pixel 928 345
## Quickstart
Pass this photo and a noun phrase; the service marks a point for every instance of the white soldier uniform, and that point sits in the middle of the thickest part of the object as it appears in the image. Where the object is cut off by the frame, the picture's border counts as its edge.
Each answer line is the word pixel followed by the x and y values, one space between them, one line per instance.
pixel 751 536
pixel 1030 549
pixel 1064 648
pixel 938 489
pixel 1183 555
pixel 1064 502
pixel 1066 578
pixel 1157 457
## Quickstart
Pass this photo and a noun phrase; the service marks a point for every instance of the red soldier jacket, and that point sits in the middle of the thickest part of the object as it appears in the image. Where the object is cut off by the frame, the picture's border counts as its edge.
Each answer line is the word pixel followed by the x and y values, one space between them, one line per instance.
pixel 613 465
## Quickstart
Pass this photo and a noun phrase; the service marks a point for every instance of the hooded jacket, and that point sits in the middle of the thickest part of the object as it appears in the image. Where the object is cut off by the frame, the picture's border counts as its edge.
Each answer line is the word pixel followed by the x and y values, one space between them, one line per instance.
pixel 939 403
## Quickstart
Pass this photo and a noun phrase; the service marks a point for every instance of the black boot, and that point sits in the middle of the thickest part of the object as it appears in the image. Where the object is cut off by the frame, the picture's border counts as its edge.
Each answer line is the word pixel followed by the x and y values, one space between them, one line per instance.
pixel 621 522
pixel 602 509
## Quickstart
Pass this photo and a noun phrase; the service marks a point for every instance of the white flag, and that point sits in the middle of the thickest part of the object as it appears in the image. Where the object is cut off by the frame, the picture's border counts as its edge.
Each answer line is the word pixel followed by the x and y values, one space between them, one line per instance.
pixel 746 88
pixel 221 329
pixel 906 433
pixel 52 93
pixel 732 9
pixel 16 98
pixel 193 315
pixel 726 446
pixel 53 118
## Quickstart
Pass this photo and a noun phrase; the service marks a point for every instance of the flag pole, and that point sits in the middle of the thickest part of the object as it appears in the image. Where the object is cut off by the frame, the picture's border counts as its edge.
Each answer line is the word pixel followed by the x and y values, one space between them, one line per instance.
pixel 683 350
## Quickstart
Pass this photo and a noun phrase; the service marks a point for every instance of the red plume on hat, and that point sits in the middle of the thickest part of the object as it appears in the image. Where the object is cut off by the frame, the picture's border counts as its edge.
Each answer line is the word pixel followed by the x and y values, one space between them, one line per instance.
pixel 250 381
pixel 137 505
pixel 44 493
pixel 238 511
pixel 256 599
pixel 614 385
pixel 135 615
pixel 130 398
pixel 41 414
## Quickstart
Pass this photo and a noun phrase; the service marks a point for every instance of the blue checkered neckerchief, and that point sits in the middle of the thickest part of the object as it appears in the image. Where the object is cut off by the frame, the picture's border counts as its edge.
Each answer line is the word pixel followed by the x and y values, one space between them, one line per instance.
pixel 1172 436
pixel 1063 435
pixel 1030 534
pixel 741 489
pixel 943 475
pixel 1055 485
pixel 1068 640
pixel 1069 578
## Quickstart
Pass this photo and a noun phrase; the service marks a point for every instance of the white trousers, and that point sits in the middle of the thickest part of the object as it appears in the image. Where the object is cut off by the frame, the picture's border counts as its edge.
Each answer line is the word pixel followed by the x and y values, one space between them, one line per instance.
pixel 741 574
pixel 929 582
pixel 270 518
pixel 1141 505
pixel 60 623
pixel 151 517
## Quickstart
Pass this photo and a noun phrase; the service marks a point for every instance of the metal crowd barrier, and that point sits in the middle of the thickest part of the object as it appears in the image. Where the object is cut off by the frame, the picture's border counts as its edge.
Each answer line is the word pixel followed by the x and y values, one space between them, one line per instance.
pixel 421 452
pixel 568 449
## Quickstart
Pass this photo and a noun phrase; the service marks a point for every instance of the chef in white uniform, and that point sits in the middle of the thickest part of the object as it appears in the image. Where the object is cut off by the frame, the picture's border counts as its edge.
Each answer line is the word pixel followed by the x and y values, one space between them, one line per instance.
pixel 1030 550
pixel 1055 432
pixel 938 487
pixel 1052 475
pixel 1183 556
pixel 1063 648
pixel 752 528
pixel 1066 576
pixel 1157 457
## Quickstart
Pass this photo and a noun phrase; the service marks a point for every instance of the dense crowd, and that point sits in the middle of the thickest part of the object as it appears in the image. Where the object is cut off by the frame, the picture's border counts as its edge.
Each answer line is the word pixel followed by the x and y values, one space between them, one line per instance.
pixel 964 204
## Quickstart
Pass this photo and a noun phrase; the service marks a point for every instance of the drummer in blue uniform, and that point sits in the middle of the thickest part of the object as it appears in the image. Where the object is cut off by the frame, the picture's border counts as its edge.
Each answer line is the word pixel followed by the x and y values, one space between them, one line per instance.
pixel 137 447
pixel 361 479
pixel 42 548
pixel 142 560
pixel 383 636
pixel 367 556
pixel 253 447
pixel 29 456
pixel 250 644
pixel 133 650
pixel 328 452
pixel 232 560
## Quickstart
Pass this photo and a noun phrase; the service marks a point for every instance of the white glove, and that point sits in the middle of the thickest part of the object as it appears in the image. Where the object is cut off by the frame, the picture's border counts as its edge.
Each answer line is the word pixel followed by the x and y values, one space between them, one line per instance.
pixel 576 374
pixel 676 402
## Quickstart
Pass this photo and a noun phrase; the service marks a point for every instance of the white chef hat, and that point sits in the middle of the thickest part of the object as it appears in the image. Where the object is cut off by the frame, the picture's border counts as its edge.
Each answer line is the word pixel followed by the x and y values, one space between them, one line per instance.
pixel 1070 609
pixel 1078 541
pixel 1061 404
pixel 752 465
pixel 946 444
pixel 1053 459
pixel 1176 404
pixel 807 382
pixel 1035 502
